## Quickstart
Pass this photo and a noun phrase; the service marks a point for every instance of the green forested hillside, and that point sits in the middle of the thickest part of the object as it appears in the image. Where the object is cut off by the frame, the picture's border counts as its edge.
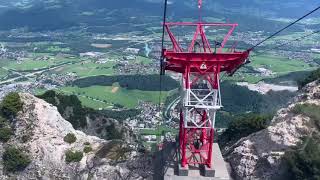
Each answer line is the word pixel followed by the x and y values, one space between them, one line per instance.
pixel 139 82
pixel 243 126
pixel 237 100
pixel 314 75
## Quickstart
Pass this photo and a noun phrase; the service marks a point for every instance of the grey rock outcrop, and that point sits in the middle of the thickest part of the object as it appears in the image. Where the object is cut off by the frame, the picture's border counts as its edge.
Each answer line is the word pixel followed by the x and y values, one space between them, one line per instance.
pixel 260 155
pixel 40 131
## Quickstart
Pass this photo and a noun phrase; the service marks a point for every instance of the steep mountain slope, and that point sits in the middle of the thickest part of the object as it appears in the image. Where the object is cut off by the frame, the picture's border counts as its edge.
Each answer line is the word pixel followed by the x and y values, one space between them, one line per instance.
pixel 90 121
pixel 261 155
pixel 40 131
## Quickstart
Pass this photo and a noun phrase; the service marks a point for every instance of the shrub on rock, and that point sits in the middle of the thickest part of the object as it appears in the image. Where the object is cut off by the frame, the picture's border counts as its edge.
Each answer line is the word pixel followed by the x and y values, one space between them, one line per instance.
pixel 86 143
pixel 15 160
pixel 5 130
pixel 11 104
pixel 73 156
pixel 70 138
pixel 87 149
pixel 304 161
pixel 5 134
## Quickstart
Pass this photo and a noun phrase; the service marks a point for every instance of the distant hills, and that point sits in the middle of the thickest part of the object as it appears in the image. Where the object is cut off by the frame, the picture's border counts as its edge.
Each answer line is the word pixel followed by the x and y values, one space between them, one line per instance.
pixel 37 18
pixel 40 15
pixel 283 8
pixel 265 8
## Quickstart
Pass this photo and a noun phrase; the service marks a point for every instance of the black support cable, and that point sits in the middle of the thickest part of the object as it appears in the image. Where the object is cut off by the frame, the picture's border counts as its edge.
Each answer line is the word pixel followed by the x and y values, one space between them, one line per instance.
pixel 163 33
pixel 163 26
pixel 162 161
pixel 291 24
pixel 162 46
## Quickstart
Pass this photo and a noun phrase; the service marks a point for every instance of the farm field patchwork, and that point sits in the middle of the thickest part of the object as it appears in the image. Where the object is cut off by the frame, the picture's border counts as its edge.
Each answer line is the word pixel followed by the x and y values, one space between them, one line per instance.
pixel 89 68
pixel 143 60
pixel 104 96
pixel 244 77
pixel 279 64
pixel 30 64
pixel 158 131
pixel 94 103
pixel 3 73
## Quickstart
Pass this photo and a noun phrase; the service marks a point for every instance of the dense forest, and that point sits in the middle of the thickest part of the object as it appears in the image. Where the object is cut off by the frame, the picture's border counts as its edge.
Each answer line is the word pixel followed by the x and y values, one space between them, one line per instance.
pixel 288 79
pixel 139 82
pixel 300 78
pixel 121 114
pixel 243 126
pixel 314 75
pixel 237 100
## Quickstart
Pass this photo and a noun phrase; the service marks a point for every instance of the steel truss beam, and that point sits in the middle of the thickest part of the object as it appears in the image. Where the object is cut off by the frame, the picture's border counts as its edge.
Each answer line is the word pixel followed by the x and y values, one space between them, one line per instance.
pixel 200 88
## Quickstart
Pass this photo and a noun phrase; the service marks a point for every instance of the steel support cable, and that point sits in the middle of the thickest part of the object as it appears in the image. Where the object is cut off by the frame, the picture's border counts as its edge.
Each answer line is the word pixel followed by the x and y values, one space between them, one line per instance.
pixel 160 77
pixel 163 33
pixel 162 47
pixel 291 24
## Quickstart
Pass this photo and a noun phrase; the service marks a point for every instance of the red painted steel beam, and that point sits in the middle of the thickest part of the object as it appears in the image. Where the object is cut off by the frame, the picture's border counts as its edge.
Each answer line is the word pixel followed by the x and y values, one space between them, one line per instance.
pixel 200 23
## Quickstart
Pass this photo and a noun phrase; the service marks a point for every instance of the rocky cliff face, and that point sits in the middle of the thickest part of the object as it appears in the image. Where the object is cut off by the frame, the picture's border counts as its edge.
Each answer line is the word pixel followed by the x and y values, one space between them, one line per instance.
pixel 40 131
pixel 259 156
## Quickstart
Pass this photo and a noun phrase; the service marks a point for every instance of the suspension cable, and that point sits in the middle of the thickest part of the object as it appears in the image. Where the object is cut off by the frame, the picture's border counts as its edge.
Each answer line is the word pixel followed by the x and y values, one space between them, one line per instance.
pixel 161 74
pixel 291 24
pixel 163 27
pixel 162 47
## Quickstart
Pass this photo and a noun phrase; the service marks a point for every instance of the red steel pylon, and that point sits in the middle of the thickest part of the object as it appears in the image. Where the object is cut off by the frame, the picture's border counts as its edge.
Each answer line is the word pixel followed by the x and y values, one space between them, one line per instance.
pixel 200 68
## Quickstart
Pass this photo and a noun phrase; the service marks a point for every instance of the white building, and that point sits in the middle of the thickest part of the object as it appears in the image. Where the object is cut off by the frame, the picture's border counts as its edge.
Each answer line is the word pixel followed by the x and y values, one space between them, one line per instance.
pixel 132 50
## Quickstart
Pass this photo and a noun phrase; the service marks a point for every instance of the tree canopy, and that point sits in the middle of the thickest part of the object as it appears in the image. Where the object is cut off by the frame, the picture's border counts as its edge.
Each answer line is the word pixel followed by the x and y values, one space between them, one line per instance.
pixel 139 82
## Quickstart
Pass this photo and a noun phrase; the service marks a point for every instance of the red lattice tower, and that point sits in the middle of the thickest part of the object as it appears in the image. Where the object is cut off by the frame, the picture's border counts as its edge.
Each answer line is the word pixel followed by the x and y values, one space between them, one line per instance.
pixel 200 67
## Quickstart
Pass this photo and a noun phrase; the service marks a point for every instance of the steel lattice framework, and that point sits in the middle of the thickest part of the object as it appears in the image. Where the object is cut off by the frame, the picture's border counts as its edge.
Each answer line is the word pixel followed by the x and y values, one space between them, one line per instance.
pixel 200 67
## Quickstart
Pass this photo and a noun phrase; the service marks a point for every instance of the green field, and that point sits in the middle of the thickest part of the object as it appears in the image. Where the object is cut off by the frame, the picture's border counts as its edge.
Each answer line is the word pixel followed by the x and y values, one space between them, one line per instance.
pixel 39 91
pixel 159 131
pixel 307 21
pixel 290 36
pixel 240 77
pixel 58 49
pixel 30 64
pixel 94 104
pixel 3 73
pixel 279 65
pixel 293 36
pixel 143 60
pixel 113 95
pixel 89 68
pixel 316 55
